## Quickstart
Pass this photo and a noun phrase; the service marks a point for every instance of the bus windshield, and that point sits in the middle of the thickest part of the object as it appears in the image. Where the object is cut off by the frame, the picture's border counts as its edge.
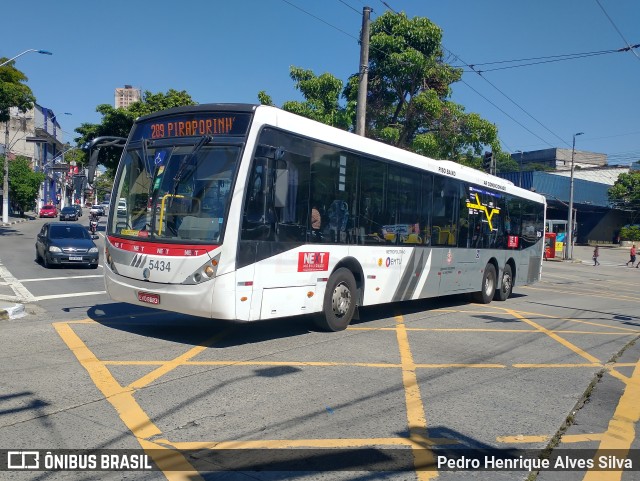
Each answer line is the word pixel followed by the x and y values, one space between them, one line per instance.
pixel 177 193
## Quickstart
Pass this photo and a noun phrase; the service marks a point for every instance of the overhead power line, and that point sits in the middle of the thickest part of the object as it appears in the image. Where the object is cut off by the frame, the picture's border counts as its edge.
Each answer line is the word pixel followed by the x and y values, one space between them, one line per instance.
pixel 618 30
pixel 543 60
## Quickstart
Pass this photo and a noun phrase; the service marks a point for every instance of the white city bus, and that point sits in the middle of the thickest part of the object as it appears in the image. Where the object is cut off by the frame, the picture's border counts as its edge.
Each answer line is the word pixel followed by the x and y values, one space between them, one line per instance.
pixel 249 212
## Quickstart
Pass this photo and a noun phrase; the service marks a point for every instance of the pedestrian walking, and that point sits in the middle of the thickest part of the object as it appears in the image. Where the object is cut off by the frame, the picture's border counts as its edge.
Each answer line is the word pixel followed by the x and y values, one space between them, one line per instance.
pixel 632 255
pixel 596 254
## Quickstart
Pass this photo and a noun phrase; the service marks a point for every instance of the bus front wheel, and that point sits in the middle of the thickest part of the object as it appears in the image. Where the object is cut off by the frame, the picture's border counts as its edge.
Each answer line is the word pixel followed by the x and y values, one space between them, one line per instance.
pixel 506 286
pixel 339 301
pixel 488 288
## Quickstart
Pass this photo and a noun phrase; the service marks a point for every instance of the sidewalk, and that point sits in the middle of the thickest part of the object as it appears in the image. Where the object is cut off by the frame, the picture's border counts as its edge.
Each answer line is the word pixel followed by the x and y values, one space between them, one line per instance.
pixel 17 220
pixel 610 255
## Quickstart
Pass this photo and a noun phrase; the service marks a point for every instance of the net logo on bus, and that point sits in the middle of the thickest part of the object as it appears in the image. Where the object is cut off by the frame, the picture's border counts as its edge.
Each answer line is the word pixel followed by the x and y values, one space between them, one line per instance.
pixel 313 261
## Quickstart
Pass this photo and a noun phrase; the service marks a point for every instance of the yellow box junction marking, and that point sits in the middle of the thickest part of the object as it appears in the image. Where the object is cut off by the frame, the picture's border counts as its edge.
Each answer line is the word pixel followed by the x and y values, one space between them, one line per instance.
pixel 176 467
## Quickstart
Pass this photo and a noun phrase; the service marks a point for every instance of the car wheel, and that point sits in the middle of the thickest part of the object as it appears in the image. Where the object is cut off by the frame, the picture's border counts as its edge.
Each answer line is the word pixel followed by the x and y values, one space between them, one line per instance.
pixel 339 301
pixel 45 261
pixel 38 258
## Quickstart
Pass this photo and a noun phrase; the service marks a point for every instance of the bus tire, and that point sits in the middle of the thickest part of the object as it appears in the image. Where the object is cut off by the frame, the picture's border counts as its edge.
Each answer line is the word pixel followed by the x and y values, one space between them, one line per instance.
pixel 339 303
pixel 488 287
pixel 506 286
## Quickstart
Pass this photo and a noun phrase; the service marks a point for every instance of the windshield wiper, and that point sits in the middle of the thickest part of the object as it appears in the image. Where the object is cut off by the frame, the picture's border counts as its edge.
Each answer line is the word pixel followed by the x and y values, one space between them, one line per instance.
pixel 204 140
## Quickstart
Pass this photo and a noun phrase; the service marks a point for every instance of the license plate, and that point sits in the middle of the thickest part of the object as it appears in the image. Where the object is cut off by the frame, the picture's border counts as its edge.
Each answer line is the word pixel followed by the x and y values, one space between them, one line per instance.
pixel 75 258
pixel 148 298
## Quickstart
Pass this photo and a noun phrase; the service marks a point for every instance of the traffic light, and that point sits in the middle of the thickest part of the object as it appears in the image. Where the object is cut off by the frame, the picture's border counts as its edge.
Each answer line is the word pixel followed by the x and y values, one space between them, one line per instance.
pixel 487 162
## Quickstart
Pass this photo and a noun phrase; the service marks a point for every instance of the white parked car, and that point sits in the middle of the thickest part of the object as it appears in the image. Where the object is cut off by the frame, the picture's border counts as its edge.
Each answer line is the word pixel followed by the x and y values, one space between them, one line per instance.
pixel 96 209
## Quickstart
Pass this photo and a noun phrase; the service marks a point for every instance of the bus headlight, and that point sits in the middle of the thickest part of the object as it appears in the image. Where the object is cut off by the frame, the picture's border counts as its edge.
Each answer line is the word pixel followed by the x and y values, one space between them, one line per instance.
pixel 205 273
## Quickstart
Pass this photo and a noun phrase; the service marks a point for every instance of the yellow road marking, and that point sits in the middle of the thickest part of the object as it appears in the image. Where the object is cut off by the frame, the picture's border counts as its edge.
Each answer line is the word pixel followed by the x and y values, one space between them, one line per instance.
pixel 174 363
pixel 555 337
pixel 560 365
pixel 567 438
pixel 122 400
pixel 172 463
pixel 620 433
pixel 417 421
pixel 579 321
pixel 583 293
pixel 304 443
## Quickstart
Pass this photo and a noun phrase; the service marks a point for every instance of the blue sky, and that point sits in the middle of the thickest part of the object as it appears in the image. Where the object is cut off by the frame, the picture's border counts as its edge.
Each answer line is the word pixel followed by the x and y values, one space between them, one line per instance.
pixel 220 51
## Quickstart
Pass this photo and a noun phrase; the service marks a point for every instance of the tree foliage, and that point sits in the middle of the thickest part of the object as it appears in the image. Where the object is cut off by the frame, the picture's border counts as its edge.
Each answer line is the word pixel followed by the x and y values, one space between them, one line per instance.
pixel 24 183
pixel 117 122
pixel 408 97
pixel 13 91
pixel 625 194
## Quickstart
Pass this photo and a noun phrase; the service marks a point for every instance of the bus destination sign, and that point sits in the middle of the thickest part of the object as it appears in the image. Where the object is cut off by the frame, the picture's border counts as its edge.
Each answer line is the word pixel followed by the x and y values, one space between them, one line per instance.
pixel 194 125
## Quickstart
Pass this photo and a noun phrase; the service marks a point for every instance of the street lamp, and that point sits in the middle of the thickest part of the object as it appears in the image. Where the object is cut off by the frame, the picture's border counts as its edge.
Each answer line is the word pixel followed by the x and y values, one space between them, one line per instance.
pixel 44 52
pixel 569 252
pixel 5 183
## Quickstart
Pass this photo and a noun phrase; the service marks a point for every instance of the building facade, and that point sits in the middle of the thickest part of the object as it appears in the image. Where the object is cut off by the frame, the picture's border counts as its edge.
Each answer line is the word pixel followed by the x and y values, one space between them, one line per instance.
pixel 37 135
pixel 126 95
pixel 559 159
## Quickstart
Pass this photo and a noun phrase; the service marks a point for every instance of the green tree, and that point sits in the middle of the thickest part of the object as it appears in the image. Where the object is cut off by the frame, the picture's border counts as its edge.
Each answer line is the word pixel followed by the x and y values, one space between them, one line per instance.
pixel 24 183
pixel 103 185
pixel 625 194
pixel 322 94
pixel 13 91
pixel 408 103
pixel 117 122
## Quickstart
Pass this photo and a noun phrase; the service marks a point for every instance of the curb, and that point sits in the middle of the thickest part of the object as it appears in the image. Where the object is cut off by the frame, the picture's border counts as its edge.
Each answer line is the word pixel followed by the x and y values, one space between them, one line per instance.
pixel 12 222
pixel 12 312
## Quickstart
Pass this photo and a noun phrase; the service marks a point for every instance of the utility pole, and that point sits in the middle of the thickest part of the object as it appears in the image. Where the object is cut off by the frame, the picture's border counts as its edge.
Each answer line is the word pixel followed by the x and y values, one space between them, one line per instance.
pixel 364 72
pixel 5 183
pixel 571 220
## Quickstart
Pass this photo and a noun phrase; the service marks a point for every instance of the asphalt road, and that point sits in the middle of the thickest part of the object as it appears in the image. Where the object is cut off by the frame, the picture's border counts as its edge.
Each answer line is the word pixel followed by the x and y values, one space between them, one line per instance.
pixel 555 367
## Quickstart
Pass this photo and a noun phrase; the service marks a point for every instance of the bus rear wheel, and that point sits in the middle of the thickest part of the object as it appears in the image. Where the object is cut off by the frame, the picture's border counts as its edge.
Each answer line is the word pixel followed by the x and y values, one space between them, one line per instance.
pixel 506 286
pixel 339 303
pixel 488 288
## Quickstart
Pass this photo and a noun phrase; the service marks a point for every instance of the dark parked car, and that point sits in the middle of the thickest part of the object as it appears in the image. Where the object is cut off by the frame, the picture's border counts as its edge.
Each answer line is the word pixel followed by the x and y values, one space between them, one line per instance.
pixel 48 211
pixel 63 243
pixel 79 209
pixel 69 213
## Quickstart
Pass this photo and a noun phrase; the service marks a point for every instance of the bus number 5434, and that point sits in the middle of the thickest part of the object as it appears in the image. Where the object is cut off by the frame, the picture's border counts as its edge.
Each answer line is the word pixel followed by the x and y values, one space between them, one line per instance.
pixel 159 266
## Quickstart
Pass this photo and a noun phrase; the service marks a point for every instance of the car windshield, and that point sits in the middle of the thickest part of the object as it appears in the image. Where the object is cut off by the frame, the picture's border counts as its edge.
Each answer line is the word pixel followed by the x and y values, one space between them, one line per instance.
pixel 69 210
pixel 68 232
pixel 180 193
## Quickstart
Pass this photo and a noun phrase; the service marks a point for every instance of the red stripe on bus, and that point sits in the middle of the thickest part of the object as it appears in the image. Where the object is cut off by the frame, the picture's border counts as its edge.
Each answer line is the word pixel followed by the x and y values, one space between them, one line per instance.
pixel 160 249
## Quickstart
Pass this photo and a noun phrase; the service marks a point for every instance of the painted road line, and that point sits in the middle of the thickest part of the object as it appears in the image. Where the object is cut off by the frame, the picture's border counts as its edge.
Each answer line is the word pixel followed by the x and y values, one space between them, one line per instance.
pixel 302 443
pixel 122 400
pixel 72 294
pixel 566 438
pixel 620 433
pixel 21 292
pixel 38 279
pixel 583 293
pixel 177 362
pixel 556 338
pixel 417 421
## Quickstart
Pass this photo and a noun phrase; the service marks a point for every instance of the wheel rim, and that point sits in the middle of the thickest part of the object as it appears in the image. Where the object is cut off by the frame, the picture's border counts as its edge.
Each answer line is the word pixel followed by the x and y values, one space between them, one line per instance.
pixel 489 285
pixel 506 283
pixel 341 300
